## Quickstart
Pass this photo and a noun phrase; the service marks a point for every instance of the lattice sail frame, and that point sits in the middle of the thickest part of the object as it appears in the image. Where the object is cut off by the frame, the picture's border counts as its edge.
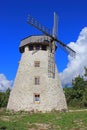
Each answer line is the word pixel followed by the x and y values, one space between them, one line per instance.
pixel 52 34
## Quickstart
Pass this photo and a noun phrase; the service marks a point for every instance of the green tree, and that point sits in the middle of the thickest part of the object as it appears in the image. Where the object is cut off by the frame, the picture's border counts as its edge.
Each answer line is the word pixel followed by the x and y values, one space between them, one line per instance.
pixel 4 98
pixel 85 71
pixel 78 83
pixel 76 95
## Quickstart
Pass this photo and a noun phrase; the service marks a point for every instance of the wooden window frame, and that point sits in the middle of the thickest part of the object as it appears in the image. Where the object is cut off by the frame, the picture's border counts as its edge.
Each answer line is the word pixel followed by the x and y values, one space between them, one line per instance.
pixel 37 80
pixel 36 63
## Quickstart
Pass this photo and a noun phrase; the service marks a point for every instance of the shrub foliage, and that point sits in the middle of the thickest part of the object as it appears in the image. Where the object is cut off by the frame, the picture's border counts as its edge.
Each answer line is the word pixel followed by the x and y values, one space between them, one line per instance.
pixel 76 95
pixel 4 98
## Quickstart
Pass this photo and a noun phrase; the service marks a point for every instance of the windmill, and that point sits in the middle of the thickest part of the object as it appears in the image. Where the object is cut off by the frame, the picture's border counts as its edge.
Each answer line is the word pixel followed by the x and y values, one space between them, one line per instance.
pixel 37 85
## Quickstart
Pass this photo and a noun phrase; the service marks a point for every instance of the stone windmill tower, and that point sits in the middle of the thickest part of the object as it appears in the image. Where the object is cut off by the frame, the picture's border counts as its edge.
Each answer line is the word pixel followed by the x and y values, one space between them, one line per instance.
pixel 37 85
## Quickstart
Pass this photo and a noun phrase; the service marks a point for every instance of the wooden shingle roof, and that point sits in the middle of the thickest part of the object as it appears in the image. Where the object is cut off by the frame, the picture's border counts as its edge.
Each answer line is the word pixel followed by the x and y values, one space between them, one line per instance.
pixel 35 40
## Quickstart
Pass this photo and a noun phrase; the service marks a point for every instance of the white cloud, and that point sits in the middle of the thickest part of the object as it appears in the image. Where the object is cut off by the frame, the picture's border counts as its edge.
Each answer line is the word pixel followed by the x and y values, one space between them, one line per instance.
pixel 76 65
pixel 4 83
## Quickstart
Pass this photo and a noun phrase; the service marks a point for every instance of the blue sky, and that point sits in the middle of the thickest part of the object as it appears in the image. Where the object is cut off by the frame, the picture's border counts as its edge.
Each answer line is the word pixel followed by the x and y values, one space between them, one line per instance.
pixel 13 27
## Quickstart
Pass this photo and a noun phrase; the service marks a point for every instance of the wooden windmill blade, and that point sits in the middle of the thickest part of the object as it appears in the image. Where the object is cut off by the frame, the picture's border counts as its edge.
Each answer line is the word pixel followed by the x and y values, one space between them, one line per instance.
pixel 55 26
pixel 39 26
pixel 66 48
pixel 51 34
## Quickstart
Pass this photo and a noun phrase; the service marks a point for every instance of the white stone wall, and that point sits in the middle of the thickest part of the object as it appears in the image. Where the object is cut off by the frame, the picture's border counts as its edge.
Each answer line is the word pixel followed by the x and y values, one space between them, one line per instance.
pixel 50 90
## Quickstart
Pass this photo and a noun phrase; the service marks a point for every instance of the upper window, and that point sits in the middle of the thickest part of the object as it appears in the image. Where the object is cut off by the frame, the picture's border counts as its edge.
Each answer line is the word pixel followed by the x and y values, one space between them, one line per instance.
pixel 44 47
pixel 37 80
pixel 30 47
pixel 37 47
pixel 37 63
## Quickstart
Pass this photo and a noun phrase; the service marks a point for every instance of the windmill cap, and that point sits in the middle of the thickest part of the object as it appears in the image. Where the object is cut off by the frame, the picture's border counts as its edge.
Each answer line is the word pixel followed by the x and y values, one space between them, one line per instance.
pixel 41 39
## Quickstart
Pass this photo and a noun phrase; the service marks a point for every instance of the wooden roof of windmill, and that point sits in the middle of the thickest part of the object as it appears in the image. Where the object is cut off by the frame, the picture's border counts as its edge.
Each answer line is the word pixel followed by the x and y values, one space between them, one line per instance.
pixel 41 39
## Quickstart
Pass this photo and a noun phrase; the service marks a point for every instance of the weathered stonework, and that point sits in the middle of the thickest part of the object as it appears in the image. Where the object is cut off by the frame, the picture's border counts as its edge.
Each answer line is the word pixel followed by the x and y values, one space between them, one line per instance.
pixel 51 95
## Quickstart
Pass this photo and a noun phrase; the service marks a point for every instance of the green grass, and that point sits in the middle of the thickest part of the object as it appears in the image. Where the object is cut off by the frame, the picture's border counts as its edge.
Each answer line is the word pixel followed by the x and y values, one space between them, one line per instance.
pixel 76 120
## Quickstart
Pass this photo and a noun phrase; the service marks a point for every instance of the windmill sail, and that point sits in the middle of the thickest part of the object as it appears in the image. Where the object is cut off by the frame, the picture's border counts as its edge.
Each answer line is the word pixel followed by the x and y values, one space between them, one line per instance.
pixel 50 33
pixel 39 26
pixel 55 26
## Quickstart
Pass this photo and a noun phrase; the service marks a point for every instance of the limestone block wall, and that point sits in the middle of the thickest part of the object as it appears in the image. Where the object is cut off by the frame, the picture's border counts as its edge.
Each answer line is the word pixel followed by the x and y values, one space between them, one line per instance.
pixel 49 89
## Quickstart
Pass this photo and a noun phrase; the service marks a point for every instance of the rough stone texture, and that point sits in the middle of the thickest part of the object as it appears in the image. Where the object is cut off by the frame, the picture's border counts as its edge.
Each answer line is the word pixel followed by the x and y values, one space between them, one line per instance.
pixel 22 95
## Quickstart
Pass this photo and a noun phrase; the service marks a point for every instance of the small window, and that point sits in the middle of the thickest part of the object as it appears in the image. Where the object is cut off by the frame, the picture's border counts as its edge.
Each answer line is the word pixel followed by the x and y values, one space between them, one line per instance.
pixel 37 47
pixel 44 47
pixel 37 80
pixel 37 98
pixel 37 63
pixel 30 47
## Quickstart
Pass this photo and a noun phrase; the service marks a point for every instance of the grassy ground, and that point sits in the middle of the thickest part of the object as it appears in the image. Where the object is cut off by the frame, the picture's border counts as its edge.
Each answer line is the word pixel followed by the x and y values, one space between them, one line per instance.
pixel 73 120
